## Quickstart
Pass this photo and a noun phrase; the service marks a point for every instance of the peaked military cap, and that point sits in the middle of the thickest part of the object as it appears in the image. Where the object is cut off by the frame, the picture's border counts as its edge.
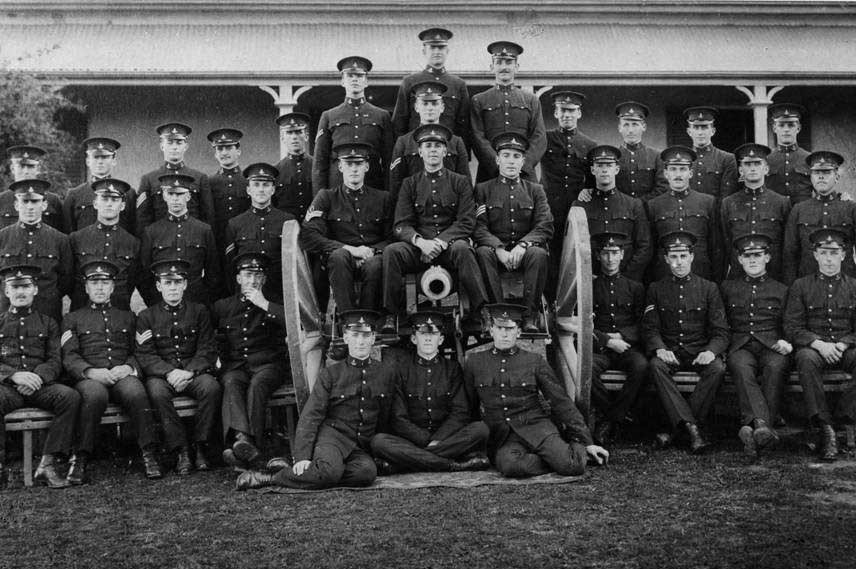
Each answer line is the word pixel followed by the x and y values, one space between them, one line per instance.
pixel 603 153
pixel 176 183
pixel 354 64
pixel 293 121
pixel 170 268
pixel 824 160
pixel 174 131
pixel 20 274
pixel 677 241
pixel 359 320
pixel 26 154
pixel 225 137
pixel 30 187
pixel 751 151
pixel 503 314
pixel 111 187
pixel 101 146
pixel 432 132
pixel 786 111
pixel 678 155
pixel 353 151
pixel 631 110
pixel 505 49
pixel 428 321
pixel 510 141
pixel 429 90
pixel 752 243
pixel 254 261
pixel 99 270
pixel 828 238
pixel 261 171
pixel 609 240
pixel 700 115
pixel 435 36
pixel 568 99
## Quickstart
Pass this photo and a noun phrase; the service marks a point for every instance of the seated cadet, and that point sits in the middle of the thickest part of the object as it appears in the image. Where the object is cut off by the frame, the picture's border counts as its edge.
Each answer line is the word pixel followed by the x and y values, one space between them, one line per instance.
pixel 430 427
pixel 507 384
pixel 30 364
pixel 758 355
pixel 513 227
pixel 820 319
pixel 177 353
pixel 618 306
pixel 294 183
pixel 685 329
pixel 825 209
pixel 434 218
pixel 254 357
pixel 348 403
pixel 97 352
pixel 349 226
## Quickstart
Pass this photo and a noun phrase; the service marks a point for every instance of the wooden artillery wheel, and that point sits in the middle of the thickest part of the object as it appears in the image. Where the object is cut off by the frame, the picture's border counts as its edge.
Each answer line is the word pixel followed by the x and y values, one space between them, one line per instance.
pixel 574 327
pixel 303 318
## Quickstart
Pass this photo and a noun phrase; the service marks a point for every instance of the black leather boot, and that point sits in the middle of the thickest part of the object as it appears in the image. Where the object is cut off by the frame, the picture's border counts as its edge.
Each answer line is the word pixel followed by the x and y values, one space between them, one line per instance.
pixel 46 473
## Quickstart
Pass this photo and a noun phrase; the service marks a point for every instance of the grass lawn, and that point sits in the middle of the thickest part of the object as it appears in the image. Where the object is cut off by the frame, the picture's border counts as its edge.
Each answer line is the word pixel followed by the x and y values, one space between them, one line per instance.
pixel 647 509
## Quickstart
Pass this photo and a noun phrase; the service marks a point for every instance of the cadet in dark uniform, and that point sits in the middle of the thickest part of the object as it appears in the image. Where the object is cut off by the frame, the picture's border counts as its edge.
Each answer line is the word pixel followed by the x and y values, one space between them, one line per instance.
pixel 507 384
pixel 513 227
pixel 177 353
pixel 714 170
pixel 259 229
pixel 455 111
pixel 754 209
pixel 106 240
pixel 789 174
pixel 228 184
pixel 181 236
pixel 405 155
pixel 77 209
pixel 30 365
pixel 685 329
pixel 758 355
pixel 254 357
pixel 149 206
pixel 434 218
pixel 25 163
pixel 824 210
pixel 355 120
pixel 430 427
pixel 31 242
pixel 294 190
pixel 349 226
pixel 97 352
pixel 349 403
pixel 618 306
pixel 641 170
pixel 820 319
pixel 505 107
pixel 685 209
pixel 608 210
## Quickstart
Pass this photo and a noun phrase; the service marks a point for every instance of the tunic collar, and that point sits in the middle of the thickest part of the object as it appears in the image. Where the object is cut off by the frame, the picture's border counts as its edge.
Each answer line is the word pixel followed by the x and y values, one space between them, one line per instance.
pixel 836 277
pixel 30 226
pixel 827 198
pixel 685 279
pixel 178 218
pixel 426 362
pixel 509 352
pixel 788 147
pixel 354 362
pixel 261 210
pixel 105 227
pixel 356 102
pixel 99 305
pixel 173 309
pixel 23 311
pixel 235 170
pixel 435 71
pixel 761 279
pixel 171 166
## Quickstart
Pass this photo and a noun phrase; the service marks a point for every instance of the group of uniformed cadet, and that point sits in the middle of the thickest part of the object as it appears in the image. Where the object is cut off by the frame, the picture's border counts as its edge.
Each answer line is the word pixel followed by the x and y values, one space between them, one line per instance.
pixel 716 237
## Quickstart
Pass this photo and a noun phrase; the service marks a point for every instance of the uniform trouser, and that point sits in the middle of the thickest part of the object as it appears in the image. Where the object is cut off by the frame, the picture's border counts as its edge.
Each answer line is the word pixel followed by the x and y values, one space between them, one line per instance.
pixel 208 394
pixel 438 458
pixel 61 400
pixel 245 395
pixel 343 271
pixel 701 400
pixel 401 258
pixel 759 391
pixel 130 393
pixel 534 264
pixel 615 408
pixel 330 467
pixel 810 366
pixel 516 459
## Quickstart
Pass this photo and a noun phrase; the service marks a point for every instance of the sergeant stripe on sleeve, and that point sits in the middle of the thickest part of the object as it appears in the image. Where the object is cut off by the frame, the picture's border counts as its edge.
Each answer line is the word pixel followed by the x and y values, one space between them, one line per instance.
pixel 647 308
pixel 312 213
pixel 320 132
pixel 143 337
pixel 230 247
pixel 481 210
pixel 66 336
pixel 395 163
pixel 141 198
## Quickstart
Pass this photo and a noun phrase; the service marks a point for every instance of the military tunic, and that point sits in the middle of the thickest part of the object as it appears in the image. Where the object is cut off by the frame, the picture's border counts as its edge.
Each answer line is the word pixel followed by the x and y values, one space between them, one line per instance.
pixel 714 172
pixel 150 206
pixel 641 174
pixel 817 212
pixel 51 216
pixel 78 211
pixel 754 211
pixel 407 162
pixel 695 213
pixel 100 242
pixel 229 193
pixel 565 171
pixel 456 103
pixel 789 174
pixel 294 191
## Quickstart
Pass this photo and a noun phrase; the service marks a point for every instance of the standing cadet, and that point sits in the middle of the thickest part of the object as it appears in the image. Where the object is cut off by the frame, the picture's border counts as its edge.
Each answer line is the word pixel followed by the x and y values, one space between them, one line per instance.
pixel 609 210
pixel 97 352
pixel 31 242
pixel 253 357
pixel 30 365
pixel 513 227
pixel 349 226
pixel 294 190
pixel 758 355
pixel 259 229
pixel 685 209
pixel 149 206
pixel 177 353
pixel 754 209
pixel 618 306
pixel 349 403
pixel 641 170
pixel 824 210
pixel 25 163
pixel 405 155
pixel 507 383
pixel 714 170
pixel 685 329
pixel 789 175
pixel 505 107
pixel 430 427
pixel 355 120
pixel 77 209
pixel 820 319
pixel 228 185
pixel 455 111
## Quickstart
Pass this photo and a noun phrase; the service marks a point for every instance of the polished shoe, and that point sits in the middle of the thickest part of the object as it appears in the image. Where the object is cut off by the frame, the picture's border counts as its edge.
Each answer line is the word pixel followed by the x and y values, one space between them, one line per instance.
pixel 200 461
pixel 76 470
pixel 232 460
pixel 746 437
pixel 277 463
pixel 388 326
pixel 828 444
pixel 384 467
pixel 183 465
pixel 46 473
pixel 151 466
pixel 471 464
pixel 530 325
pixel 663 440
pixel 764 436
pixel 698 444
pixel 603 432
pixel 244 450
pixel 252 479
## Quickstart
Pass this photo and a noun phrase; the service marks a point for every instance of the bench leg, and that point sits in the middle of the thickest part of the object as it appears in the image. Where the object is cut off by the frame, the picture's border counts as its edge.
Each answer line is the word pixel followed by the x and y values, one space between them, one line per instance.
pixel 290 425
pixel 28 458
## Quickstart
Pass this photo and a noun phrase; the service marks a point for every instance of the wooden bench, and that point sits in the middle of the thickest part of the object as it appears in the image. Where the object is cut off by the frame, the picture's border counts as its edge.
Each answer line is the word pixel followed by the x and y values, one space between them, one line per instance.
pixel 30 419
pixel 833 381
